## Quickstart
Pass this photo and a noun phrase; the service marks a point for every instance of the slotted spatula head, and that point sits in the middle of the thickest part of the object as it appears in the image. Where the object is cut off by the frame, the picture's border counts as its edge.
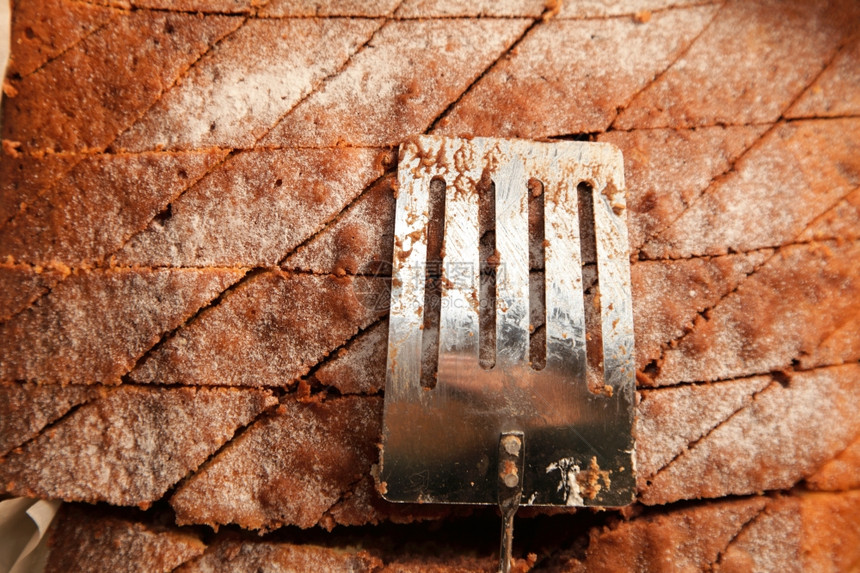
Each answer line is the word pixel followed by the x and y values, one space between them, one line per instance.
pixel 541 432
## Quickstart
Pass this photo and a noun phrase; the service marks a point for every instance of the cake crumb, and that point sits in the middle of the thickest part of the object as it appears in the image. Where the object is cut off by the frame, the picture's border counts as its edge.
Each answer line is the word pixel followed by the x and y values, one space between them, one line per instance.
pixel 382 487
pixel 553 7
pixel 303 392
pixel 385 160
pixel 12 148
pixel 589 480
pixel 523 565
pixel 642 17
pixel 9 90
pixel 304 395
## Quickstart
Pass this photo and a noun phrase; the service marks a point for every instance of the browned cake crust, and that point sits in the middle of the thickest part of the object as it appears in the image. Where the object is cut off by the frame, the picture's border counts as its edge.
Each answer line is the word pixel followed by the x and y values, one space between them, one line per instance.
pixel 794 532
pixel 28 408
pixel 130 445
pixel 84 539
pixel 21 285
pixel 196 218
pixel 127 65
pixel 95 325
pixel 236 555
pixel 123 193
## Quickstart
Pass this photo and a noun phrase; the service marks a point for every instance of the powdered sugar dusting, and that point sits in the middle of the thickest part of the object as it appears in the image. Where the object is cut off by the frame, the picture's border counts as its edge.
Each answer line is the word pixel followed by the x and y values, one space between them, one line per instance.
pixel 839 347
pixel 269 331
pixel 94 325
pixel 83 99
pixel 256 555
pixel 842 473
pixel 605 8
pixel 571 76
pixel 359 368
pixel 690 538
pixel 244 85
pixel 667 169
pixel 27 408
pixel 840 222
pixel 669 419
pixel 784 435
pixel 21 285
pixel 286 469
pixel 744 69
pixel 43 30
pixel 322 8
pixel 130 446
pixel 24 178
pixel 771 542
pixel 475 8
pixel 359 242
pixel 91 211
pixel 201 6
pixel 398 84
pixel 751 209
pixel 837 91
pixel 92 539
pixel 254 208
pixel 772 318
pixel 667 296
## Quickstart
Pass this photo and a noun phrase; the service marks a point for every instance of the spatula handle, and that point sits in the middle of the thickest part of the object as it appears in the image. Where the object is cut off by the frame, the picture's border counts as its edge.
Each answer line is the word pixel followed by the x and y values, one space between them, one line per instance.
pixel 510 486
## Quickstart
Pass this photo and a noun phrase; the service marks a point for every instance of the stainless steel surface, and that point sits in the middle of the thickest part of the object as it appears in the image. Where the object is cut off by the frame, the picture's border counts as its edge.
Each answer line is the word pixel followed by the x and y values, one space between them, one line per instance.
pixel 441 444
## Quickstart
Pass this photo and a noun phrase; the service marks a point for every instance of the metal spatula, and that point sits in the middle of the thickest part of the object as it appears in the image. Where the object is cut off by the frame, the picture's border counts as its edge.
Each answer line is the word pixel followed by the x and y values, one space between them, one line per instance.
pixel 519 432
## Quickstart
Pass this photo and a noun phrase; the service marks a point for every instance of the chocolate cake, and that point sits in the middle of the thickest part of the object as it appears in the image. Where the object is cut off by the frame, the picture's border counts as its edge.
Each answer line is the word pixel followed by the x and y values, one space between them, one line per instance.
pixel 196 222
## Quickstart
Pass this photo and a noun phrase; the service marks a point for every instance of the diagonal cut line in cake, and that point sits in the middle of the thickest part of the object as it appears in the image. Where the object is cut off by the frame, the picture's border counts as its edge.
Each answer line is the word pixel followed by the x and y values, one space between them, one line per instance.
pixel 540 90
pixel 718 561
pixel 441 117
pixel 159 435
pixel 378 87
pixel 30 408
pixel 840 472
pixel 810 404
pixel 70 24
pixel 672 419
pixel 38 117
pixel 728 88
pixel 243 86
pixel 100 204
pixel 255 208
pixel 659 75
pixel 741 336
pixel 268 344
pixel 788 156
pixel 125 312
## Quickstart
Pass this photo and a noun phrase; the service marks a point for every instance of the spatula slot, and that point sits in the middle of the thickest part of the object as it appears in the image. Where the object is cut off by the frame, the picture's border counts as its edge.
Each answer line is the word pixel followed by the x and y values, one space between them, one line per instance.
pixel 591 296
pixel 433 283
pixel 489 262
pixel 613 267
pixel 537 285
pixel 587 242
